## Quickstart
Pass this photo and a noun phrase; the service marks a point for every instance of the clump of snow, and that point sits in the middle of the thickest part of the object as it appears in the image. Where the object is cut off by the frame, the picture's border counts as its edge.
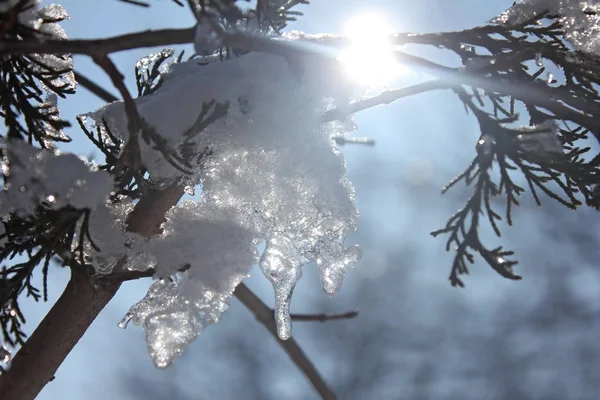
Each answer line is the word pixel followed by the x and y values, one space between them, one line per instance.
pixel 106 226
pixel 581 19
pixel 200 258
pixel 541 139
pixel 34 175
pixel 270 173
pixel 46 20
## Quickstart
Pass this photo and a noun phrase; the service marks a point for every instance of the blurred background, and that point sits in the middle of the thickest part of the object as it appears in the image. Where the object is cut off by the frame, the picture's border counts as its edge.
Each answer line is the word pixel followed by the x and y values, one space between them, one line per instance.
pixel 416 337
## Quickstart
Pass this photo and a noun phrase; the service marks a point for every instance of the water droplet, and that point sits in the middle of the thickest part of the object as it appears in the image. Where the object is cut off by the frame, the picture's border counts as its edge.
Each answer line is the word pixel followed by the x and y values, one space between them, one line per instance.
pixel 550 78
pixel 538 60
pixel 4 355
pixel 485 145
pixel 123 322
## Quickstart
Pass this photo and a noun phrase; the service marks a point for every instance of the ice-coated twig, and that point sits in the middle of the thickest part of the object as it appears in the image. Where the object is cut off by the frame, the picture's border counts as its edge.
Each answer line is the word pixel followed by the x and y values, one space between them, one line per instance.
pixel 265 315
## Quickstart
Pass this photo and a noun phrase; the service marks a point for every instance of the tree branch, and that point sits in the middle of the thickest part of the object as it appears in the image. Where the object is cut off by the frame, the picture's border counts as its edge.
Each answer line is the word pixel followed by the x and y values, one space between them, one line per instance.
pixel 322 317
pixel 265 315
pixel 525 91
pixel 386 97
pixel 95 88
pixel 130 158
pixel 91 47
pixel 36 362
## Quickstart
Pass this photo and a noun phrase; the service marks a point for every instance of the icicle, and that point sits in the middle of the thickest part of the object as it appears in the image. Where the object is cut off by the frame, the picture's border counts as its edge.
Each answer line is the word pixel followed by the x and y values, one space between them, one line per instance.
pixel 282 266
pixel 334 261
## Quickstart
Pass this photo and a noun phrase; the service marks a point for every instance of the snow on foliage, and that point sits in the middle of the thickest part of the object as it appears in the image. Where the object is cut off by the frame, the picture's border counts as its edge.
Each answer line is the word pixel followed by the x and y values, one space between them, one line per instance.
pixel 270 174
pixel 581 19
pixel 34 175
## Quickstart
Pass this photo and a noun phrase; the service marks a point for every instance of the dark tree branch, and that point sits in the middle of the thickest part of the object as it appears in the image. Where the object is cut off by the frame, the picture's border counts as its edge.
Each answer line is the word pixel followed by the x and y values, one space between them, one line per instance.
pixel 130 158
pixel 323 317
pixel 265 315
pixel 36 362
pixel 95 88
pixel 100 47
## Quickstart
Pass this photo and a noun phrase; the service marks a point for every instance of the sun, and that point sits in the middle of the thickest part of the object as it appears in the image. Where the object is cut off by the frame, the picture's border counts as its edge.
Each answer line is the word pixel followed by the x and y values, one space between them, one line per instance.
pixel 369 58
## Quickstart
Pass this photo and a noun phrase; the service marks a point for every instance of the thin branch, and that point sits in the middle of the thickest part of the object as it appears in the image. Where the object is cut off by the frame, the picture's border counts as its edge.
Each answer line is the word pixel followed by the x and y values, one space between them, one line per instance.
pixel 150 38
pixel 386 97
pixel 265 315
pixel 323 317
pixel 525 91
pixel 95 88
pixel 130 157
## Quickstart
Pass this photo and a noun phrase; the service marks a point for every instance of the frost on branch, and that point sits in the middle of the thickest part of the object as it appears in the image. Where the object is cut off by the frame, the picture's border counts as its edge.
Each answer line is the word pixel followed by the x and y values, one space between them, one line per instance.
pixel 270 173
pixel 581 19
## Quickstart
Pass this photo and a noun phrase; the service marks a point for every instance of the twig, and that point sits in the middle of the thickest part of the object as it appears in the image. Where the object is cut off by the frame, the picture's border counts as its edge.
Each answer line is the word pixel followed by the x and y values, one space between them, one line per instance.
pixel 528 92
pixel 322 317
pixel 265 315
pixel 95 88
pixel 162 37
pixel 386 97
pixel 130 157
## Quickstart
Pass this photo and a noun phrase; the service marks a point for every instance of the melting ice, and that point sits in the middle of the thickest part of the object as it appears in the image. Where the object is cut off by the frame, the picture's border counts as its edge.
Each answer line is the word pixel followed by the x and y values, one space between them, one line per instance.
pixel 270 174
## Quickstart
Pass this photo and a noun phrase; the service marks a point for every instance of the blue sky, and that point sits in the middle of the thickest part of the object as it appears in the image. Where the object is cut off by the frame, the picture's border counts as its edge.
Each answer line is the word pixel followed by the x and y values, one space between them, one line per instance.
pixel 428 132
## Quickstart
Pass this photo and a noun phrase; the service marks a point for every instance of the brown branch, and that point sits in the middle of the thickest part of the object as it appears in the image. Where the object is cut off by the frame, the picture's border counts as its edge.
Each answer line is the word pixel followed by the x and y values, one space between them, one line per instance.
pixel 163 37
pixel 524 91
pixel 323 317
pixel 36 362
pixel 265 315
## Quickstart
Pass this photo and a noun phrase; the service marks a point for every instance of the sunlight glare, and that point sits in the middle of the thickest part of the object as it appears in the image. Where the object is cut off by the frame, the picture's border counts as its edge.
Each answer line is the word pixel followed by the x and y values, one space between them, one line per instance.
pixel 369 58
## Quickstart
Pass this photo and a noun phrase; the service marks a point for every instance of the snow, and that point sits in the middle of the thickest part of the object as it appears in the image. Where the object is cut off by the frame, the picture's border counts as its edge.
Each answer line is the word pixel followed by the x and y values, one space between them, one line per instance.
pixel 34 175
pixel 214 255
pixel 34 18
pixel 581 19
pixel 269 172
